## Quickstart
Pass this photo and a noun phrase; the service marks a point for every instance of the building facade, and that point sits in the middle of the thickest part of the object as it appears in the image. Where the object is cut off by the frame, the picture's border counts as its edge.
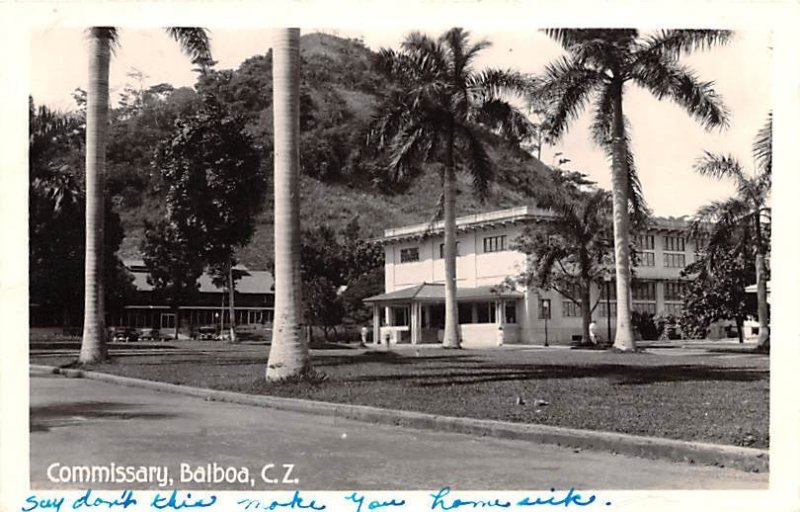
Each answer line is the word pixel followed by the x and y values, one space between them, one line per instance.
pixel 412 308
pixel 253 304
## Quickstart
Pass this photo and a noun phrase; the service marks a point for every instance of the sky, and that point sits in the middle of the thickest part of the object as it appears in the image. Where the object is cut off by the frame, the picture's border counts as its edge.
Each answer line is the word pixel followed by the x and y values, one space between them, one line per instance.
pixel 666 141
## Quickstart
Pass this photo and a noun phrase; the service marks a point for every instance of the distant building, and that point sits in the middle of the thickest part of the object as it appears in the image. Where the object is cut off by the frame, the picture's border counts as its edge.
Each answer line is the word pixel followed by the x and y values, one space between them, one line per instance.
pixel 253 303
pixel 412 309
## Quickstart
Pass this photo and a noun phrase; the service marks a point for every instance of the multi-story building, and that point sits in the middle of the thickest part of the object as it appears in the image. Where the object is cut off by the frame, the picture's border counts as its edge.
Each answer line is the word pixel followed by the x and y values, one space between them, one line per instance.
pixel 412 309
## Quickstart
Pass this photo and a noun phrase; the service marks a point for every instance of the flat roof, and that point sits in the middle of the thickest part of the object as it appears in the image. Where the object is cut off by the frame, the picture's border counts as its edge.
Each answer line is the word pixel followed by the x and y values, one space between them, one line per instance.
pixel 511 216
pixel 468 222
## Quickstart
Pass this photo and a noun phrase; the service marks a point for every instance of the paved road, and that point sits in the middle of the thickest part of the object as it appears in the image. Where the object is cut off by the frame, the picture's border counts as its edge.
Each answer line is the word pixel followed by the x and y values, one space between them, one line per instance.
pixel 82 422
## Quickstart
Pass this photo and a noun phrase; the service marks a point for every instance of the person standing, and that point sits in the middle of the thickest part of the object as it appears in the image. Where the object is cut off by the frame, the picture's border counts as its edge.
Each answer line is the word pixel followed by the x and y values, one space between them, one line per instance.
pixel 593 332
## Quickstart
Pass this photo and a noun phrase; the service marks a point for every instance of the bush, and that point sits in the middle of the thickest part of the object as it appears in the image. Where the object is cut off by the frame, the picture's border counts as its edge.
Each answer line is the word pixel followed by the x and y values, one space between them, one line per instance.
pixel 643 322
pixel 667 327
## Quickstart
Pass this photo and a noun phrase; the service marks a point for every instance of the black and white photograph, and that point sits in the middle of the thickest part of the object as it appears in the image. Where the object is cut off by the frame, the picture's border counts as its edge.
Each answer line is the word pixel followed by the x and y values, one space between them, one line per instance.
pixel 535 262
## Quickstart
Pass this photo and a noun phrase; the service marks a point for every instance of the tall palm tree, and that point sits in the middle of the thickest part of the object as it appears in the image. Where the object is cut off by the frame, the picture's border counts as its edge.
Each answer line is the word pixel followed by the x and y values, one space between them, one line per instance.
pixel 288 355
pixel 437 113
pixel 598 66
pixel 746 215
pixel 194 42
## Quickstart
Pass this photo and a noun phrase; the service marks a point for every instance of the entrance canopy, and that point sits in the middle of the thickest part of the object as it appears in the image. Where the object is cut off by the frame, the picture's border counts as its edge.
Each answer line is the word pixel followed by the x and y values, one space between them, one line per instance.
pixel 434 292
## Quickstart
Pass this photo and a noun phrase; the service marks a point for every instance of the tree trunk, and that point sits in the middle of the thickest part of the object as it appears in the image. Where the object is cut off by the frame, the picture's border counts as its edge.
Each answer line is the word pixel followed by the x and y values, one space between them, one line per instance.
pixel 763 308
pixel 288 355
pixel 624 339
pixel 93 346
pixel 740 328
pixel 586 312
pixel 451 337
pixel 231 307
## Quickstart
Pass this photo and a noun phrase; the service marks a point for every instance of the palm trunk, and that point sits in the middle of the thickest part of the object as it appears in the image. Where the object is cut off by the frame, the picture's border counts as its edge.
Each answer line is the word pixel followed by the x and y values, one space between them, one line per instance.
pixel 761 297
pixel 451 337
pixel 288 355
pixel 231 306
pixel 93 347
pixel 586 310
pixel 619 184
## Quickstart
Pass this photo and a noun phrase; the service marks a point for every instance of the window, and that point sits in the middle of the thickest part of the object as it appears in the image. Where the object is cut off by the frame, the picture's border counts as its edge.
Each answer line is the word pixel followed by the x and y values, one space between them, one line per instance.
pixel 511 312
pixel 494 243
pixel 674 243
pixel 643 290
pixel 401 316
pixel 645 307
pixel 409 254
pixel 570 309
pixel 611 286
pixel 674 260
pixel 487 314
pixel 603 312
pixel 674 290
pixel 646 243
pixel 464 313
pixel 441 250
pixel 647 259
pixel 573 290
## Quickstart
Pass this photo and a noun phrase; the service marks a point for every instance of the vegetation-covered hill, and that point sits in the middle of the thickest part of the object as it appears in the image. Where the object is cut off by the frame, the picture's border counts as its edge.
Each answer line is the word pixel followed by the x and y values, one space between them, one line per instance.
pixel 340 92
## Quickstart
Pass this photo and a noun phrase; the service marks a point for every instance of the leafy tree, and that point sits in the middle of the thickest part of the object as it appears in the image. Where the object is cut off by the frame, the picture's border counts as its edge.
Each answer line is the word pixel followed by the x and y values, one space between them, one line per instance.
pixel 717 289
pixel 213 191
pixel 171 253
pixel 572 250
pixel 338 271
pixel 439 110
pixel 743 219
pixel 195 42
pixel 598 65
pixel 55 218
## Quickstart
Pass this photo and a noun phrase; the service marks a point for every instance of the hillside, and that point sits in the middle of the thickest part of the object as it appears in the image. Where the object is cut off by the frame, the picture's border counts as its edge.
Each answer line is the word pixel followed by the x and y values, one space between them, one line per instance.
pixel 339 95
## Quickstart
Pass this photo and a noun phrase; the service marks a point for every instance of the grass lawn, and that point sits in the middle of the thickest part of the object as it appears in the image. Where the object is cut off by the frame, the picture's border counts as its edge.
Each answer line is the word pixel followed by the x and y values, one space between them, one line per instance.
pixel 716 397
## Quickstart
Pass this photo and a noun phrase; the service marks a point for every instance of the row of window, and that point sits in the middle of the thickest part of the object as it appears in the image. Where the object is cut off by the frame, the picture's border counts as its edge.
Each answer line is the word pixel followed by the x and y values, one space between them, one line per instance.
pixel 643 295
pixel 671 243
pixel 570 309
pixel 490 244
pixel 671 260
pixel 646 243
pixel 484 313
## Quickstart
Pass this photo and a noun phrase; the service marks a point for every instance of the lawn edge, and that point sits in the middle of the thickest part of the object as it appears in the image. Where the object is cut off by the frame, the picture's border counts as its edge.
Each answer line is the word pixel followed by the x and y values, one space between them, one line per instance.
pixel 747 459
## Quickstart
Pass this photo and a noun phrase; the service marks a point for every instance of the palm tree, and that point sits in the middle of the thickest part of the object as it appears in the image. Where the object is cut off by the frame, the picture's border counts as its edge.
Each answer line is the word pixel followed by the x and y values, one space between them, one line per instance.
pixel 194 42
pixel 288 355
pixel 572 250
pixel 745 216
pixel 598 65
pixel 437 113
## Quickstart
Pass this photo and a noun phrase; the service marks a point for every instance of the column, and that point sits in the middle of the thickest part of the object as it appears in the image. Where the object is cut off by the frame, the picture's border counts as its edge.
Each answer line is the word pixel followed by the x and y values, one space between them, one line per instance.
pixel 414 323
pixel 376 323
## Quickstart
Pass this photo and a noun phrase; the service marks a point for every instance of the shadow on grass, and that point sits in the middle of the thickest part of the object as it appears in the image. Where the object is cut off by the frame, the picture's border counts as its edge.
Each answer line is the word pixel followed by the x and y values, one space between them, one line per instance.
pixel 621 375
pixel 394 358
pixel 43 418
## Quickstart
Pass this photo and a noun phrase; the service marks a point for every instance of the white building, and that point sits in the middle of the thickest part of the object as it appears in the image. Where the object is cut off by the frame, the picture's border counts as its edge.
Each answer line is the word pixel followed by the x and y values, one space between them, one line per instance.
pixel 412 309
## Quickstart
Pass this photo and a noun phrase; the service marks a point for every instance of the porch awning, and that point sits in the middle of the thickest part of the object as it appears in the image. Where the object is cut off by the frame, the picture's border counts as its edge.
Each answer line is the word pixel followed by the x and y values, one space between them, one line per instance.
pixel 434 292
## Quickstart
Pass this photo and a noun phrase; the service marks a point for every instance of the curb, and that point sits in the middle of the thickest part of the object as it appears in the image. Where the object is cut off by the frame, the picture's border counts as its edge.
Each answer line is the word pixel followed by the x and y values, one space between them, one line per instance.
pixel 747 459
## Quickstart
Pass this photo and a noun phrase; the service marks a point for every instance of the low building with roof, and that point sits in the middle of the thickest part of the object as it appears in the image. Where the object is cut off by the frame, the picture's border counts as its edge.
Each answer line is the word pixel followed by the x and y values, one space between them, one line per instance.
pixel 412 308
pixel 253 303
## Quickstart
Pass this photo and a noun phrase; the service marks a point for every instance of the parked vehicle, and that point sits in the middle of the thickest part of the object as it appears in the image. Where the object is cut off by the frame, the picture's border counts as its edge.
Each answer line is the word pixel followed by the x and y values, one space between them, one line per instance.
pixel 125 334
pixel 149 334
pixel 206 333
